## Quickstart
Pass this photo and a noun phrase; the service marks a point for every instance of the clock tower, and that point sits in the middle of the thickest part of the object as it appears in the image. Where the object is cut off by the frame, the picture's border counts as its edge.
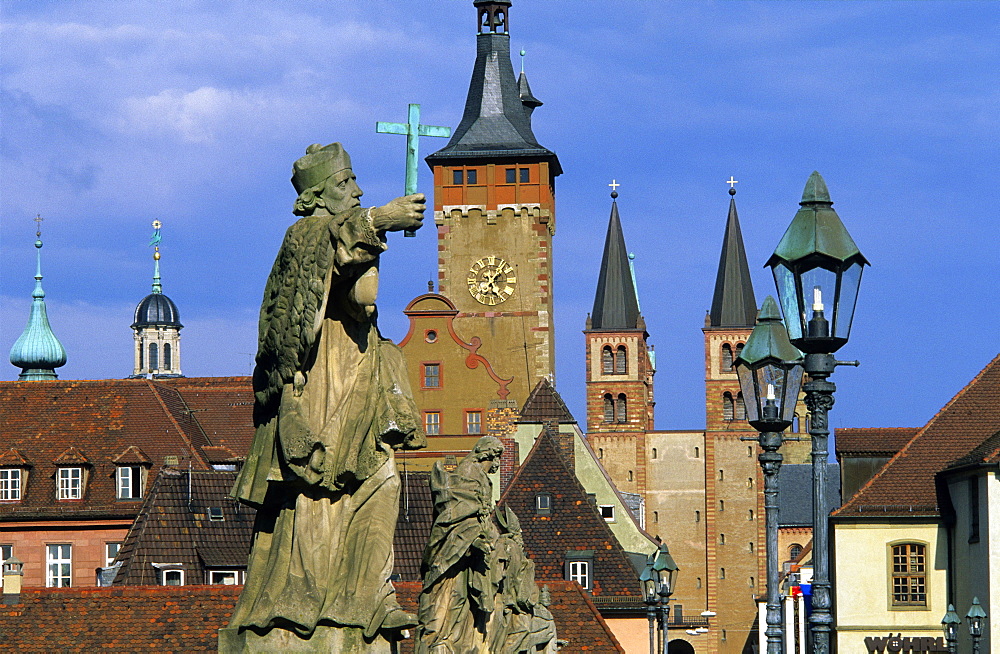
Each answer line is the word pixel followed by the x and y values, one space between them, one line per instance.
pixel 494 208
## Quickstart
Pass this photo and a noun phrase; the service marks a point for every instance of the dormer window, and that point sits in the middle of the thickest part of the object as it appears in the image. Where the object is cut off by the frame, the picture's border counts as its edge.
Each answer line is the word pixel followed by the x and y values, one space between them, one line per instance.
pixel 10 484
pixel 543 504
pixel 129 481
pixel 69 484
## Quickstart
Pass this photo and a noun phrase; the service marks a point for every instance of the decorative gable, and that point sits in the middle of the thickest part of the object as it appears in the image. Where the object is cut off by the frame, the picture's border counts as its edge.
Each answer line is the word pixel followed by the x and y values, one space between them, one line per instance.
pixel 71 457
pixel 132 456
pixel 13 458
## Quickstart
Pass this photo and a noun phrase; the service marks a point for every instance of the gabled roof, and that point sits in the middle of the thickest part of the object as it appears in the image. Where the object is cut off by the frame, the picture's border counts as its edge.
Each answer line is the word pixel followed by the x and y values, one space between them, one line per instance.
pixel 544 404
pixel 14 459
pixel 986 453
pixel 616 306
pixel 222 406
pixel 733 304
pixel 905 485
pixel 188 618
pixel 132 455
pixel 886 441
pixel 573 525
pixel 495 123
pixel 91 423
pixel 173 526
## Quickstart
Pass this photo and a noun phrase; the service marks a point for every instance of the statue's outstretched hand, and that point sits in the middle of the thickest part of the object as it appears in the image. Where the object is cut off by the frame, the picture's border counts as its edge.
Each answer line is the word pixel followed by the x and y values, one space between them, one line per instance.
pixel 402 213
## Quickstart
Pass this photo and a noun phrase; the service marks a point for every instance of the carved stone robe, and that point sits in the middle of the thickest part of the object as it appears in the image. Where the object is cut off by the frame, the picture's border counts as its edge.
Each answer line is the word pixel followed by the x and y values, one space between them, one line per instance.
pixel 332 403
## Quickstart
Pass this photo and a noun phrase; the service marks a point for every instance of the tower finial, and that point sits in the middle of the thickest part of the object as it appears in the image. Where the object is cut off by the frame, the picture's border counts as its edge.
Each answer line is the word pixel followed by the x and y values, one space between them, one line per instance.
pixel 614 189
pixel 732 181
pixel 37 351
pixel 154 241
pixel 522 59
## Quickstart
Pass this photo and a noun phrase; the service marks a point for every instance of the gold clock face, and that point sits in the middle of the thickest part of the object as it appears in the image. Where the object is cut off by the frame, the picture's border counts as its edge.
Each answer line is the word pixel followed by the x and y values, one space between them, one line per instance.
pixel 491 280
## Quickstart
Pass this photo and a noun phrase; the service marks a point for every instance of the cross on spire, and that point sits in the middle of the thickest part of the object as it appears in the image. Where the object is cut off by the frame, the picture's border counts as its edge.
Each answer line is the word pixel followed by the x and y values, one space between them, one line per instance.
pixel 732 182
pixel 614 185
pixel 38 222
pixel 412 129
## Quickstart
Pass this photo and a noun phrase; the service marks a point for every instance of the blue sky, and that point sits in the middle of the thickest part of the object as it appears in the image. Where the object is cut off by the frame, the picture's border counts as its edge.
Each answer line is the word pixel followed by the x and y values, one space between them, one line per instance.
pixel 116 114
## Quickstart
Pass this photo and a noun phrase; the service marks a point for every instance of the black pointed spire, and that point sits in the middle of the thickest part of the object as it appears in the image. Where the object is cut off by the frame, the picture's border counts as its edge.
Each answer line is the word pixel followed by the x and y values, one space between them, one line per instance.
pixel 733 304
pixel 496 120
pixel 615 303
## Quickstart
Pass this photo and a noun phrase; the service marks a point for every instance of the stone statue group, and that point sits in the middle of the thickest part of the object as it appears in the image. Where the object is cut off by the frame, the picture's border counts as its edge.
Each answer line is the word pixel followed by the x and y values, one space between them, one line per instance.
pixel 332 405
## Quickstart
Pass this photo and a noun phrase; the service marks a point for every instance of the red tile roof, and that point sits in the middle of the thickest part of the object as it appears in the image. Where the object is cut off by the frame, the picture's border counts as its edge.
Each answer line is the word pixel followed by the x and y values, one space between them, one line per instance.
pixel 174 527
pixel 187 618
pixel 873 440
pixel 102 423
pixel 544 404
pixel 986 453
pixel 574 525
pixel 905 485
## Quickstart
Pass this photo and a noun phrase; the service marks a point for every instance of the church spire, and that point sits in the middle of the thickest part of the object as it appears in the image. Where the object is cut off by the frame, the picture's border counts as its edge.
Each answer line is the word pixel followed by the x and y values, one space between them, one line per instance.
pixel 37 351
pixel 496 123
pixel 733 304
pixel 616 304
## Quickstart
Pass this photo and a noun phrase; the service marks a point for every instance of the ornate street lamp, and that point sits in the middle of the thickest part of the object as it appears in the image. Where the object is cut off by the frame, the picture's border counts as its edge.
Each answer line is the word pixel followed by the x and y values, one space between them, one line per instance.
pixel 975 616
pixel 817 270
pixel 951 622
pixel 659 580
pixel 770 372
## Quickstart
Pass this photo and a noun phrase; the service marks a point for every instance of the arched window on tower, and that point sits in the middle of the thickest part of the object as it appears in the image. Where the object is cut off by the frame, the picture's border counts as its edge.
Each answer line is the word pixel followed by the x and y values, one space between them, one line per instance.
pixel 142 357
pixel 621 361
pixel 739 349
pixel 621 408
pixel 154 357
pixel 741 407
pixel 166 356
pixel 609 408
pixel 727 357
pixel 607 361
pixel 727 406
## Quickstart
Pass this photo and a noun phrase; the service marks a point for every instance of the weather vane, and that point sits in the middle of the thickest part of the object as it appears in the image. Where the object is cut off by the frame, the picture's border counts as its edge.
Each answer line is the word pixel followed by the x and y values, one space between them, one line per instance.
pixel 154 240
pixel 38 220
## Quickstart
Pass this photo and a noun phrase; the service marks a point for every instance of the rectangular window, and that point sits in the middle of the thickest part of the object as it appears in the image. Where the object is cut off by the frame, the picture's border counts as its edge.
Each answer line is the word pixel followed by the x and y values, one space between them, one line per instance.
pixel 608 512
pixel 70 483
pixel 10 484
pixel 456 176
pixel 172 577
pixel 129 482
pixel 511 175
pixel 110 552
pixel 543 504
pixel 909 575
pixel 473 422
pixel 579 571
pixel 432 423
pixel 432 375
pixel 471 176
pixel 59 565
pixel 224 577
pixel 215 514
pixel 525 176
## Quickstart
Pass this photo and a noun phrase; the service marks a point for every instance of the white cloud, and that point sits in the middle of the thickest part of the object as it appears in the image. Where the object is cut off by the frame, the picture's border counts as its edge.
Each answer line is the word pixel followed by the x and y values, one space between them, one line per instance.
pixel 195 116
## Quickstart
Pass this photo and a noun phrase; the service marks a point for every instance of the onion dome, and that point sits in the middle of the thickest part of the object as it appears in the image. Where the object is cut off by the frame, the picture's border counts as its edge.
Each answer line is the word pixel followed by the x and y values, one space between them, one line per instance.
pixel 37 351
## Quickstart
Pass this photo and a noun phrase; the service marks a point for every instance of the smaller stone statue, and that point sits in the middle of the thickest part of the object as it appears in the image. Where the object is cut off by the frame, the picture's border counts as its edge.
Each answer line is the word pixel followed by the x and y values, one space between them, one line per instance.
pixel 479 593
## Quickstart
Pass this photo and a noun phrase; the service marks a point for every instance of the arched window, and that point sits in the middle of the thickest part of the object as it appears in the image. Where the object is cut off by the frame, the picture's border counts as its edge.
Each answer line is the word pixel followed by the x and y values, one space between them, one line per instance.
pixel 154 357
pixel 166 356
pixel 727 357
pixel 142 356
pixel 609 408
pixel 722 573
pixel 697 516
pixel 722 505
pixel 752 582
pixel 697 582
pixel 750 451
pixel 607 361
pixel 750 515
pixel 722 539
pixel 722 475
pixel 739 349
pixel 621 361
pixel 794 551
pixel 654 452
pixel 697 453
pixel 741 407
pixel 749 482
pixel 656 517
pixel 750 546
pixel 621 409
pixel 727 406
pixel 630 475
pixel 600 453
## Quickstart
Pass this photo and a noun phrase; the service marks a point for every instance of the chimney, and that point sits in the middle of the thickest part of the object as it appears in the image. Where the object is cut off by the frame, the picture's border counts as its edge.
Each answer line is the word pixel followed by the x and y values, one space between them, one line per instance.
pixel 13 570
pixel 501 421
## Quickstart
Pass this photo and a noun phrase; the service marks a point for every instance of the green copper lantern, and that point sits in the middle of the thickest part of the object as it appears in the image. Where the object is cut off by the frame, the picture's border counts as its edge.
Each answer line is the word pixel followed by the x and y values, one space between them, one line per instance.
pixel 817 270
pixel 770 372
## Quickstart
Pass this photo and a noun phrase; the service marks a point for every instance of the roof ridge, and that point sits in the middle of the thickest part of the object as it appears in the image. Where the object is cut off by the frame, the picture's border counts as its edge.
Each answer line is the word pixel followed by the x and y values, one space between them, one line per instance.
pixel 195 449
pixel 904 451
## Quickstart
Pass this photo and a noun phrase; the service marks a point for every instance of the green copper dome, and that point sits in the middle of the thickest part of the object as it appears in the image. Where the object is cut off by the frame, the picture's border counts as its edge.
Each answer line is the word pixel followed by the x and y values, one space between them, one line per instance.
pixel 38 352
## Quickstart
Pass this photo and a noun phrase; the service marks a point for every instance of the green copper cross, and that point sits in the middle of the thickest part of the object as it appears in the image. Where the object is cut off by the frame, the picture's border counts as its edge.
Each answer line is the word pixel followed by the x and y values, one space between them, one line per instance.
pixel 412 129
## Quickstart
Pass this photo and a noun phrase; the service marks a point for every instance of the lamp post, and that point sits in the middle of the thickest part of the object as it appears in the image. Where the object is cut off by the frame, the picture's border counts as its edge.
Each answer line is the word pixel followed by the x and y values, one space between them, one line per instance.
pixel 770 372
pixel 658 580
pixel 817 271
pixel 951 622
pixel 975 616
